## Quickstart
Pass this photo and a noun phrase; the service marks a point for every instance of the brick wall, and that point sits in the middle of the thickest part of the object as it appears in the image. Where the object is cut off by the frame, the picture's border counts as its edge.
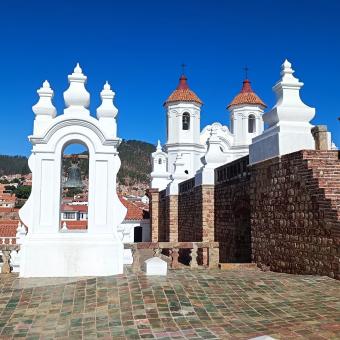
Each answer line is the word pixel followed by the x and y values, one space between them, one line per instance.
pixel 295 213
pixel 196 213
pixel 232 211
pixel 153 195
pixel 163 224
pixel 283 213
pixel 189 212
pixel 206 195
pixel 172 218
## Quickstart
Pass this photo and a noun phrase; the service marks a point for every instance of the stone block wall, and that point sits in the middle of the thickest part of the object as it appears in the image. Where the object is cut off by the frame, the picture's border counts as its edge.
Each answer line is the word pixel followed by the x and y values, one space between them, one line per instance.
pixel 283 213
pixel 232 211
pixel 232 220
pixel 295 213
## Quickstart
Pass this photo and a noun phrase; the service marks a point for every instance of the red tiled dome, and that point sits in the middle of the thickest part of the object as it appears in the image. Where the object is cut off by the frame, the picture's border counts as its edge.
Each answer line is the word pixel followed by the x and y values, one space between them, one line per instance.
pixel 247 96
pixel 183 93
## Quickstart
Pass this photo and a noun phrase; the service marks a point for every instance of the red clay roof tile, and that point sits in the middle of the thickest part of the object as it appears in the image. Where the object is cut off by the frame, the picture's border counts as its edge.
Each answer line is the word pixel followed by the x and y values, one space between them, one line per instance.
pixel 183 93
pixel 247 96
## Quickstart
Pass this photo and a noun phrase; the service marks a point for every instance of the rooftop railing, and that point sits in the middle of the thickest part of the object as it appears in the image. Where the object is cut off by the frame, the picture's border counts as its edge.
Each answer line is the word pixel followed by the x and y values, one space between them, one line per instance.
pixel 233 170
pixel 186 185
pixel 209 251
pixel 7 246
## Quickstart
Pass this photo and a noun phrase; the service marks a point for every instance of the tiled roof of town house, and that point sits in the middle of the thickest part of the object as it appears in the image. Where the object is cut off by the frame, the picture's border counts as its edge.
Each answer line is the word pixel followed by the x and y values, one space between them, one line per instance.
pixel 82 224
pixel 183 93
pixel 134 212
pixel 71 207
pixel 247 96
pixel 8 228
pixel 8 209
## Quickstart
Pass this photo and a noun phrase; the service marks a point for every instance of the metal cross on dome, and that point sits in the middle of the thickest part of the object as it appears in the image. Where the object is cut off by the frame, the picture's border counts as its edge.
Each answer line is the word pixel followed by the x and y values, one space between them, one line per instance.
pixel 183 68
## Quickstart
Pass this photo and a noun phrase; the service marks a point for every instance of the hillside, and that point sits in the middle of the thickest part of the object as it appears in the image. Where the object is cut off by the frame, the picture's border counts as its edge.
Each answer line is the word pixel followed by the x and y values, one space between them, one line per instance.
pixel 10 165
pixel 136 163
pixel 134 172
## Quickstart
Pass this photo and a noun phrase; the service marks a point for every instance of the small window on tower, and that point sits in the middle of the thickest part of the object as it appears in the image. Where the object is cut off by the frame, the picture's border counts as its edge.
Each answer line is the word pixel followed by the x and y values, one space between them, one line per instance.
pixel 186 121
pixel 251 124
pixel 160 161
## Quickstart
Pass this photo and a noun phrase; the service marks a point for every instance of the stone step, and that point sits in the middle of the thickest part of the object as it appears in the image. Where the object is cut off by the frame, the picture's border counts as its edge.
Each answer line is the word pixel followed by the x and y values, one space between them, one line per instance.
pixel 238 266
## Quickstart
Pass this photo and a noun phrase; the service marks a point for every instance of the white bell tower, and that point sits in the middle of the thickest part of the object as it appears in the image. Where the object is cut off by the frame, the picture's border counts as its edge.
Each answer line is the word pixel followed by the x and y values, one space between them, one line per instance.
pixel 50 249
pixel 159 174
pixel 246 111
pixel 183 109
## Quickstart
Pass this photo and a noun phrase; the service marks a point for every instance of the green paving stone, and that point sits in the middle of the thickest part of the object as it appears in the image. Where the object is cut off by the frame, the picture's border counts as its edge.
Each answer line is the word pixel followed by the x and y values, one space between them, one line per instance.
pixel 200 304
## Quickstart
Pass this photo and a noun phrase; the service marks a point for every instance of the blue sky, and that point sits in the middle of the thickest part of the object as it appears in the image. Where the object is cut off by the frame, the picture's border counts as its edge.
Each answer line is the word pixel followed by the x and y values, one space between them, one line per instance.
pixel 138 46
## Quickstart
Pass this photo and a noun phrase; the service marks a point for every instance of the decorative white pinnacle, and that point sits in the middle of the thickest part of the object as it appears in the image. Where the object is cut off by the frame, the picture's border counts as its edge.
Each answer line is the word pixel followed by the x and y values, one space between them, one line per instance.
pixel 76 97
pixel 289 106
pixel 287 74
pixel 107 108
pixel 78 69
pixel 214 153
pixel 159 147
pixel 288 122
pixel 107 86
pixel 45 107
pixel 46 85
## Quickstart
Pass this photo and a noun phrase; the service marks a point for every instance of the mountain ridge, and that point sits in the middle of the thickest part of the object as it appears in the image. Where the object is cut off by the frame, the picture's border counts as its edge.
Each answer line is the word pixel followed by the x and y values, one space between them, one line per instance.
pixel 135 169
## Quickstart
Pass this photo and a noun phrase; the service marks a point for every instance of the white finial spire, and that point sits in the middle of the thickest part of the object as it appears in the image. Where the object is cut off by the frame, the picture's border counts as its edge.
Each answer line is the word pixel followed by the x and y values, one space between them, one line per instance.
pixel 179 175
pixel 159 147
pixel 214 155
pixel 287 90
pixel 287 73
pixel 76 97
pixel 107 86
pixel 289 127
pixel 46 84
pixel 107 108
pixel 45 107
pixel 78 69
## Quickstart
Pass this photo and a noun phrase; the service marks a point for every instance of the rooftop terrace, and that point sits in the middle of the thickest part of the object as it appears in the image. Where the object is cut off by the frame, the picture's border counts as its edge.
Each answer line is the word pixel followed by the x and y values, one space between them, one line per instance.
pixel 186 304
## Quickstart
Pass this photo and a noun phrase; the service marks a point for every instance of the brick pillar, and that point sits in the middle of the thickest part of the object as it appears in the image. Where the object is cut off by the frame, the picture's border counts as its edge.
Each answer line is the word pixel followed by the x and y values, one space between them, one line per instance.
pixel 320 135
pixel 153 195
pixel 172 218
pixel 208 217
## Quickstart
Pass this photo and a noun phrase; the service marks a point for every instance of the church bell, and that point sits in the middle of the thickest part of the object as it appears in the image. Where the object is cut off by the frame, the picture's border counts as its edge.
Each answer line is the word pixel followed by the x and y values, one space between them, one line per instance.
pixel 73 176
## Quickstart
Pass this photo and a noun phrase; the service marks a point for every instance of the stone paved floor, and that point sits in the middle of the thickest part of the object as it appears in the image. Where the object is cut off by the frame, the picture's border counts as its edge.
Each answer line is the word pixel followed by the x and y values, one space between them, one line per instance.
pixel 186 304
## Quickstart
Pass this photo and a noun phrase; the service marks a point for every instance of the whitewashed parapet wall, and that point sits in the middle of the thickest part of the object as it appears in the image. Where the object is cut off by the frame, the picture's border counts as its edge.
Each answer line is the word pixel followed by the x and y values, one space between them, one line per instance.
pixel 47 250
pixel 289 127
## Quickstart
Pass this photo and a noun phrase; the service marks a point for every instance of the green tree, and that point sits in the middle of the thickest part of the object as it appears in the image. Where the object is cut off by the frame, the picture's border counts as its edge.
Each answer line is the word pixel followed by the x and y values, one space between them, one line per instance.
pixel 23 191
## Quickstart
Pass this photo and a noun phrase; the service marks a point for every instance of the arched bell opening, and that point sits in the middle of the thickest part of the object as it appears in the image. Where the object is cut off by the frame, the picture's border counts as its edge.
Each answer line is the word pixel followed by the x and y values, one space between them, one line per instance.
pixel 74 187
